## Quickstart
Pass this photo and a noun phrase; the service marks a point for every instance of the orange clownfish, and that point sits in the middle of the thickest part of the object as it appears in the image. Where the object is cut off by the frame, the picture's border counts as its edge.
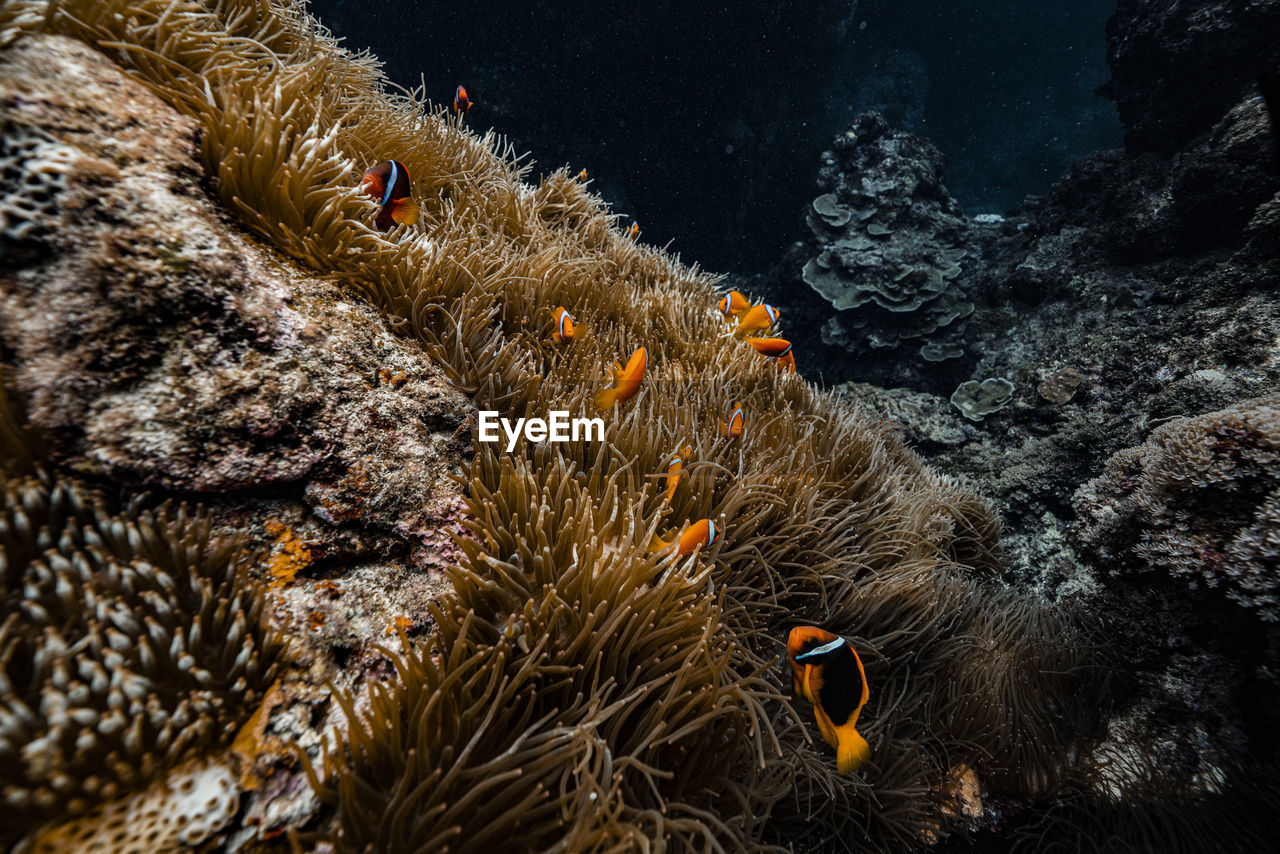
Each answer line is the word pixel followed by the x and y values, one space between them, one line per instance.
pixel 564 330
pixel 704 532
pixel 461 103
pixel 737 420
pixel 827 671
pixel 757 319
pixel 582 176
pixel 626 380
pixel 633 231
pixel 388 182
pixel 734 304
pixel 674 468
pixel 775 349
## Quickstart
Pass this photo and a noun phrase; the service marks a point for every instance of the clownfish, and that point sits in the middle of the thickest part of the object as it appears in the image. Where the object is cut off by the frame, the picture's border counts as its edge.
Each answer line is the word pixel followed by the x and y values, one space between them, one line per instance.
pixel 564 330
pixel 626 380
pixel 461 103
pixel 633 231
pixel 674 468
pixel 737 420
pixel 582 176
pixel 775 349
pixel 733 304
pixel 757 319
pixel 704 532
pixel 827 671
pixel 389 183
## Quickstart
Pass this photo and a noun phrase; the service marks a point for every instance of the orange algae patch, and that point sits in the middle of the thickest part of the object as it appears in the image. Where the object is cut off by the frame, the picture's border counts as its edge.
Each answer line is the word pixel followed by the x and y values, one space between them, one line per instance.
pixel 288 554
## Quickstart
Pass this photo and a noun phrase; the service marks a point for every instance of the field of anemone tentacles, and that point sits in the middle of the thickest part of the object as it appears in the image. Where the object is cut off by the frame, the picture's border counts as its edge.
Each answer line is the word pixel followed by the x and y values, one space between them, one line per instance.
pixel 579 692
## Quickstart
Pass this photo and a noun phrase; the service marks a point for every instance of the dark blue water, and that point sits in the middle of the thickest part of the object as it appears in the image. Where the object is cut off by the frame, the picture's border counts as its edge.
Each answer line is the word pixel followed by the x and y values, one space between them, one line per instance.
pixel 705 121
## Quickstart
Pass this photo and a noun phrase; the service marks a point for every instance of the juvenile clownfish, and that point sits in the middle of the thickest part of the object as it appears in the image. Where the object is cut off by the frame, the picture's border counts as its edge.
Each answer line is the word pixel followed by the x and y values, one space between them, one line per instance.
pixel 582 176
pixel 388 182
pixel 757 319
pixel 626 380
pixel 674 468
pixel 737 420
pixel 733 305
pixel 633 231
pixel 461 103
pixel 565 329
pixel 827 671
pixel 704 532
pixel 775 349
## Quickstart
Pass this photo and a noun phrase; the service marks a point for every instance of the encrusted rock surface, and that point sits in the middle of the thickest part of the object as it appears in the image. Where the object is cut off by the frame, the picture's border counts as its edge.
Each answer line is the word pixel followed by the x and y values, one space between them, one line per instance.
pixel 1160 52
pixel 158 347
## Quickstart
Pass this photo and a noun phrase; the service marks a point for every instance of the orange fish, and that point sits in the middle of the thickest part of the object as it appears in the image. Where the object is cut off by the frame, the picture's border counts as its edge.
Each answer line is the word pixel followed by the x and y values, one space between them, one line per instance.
pixel 626 380
pixel 733 304
pixel 461 103
pixel 757 319
pixel 826 671
pixel 674 468
pixel 775 349
pixel 633 231
pixel 704 532
pixel 582 176
pixel 564 330
pixel 388 182
pixel 737 420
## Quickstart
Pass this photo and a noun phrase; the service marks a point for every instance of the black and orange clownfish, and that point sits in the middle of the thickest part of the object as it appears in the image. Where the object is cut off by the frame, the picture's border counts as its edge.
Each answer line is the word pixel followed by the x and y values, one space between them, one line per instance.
pixel 733 305
pixel 704 532
pixel 757 319
pixel 462 104
pixel 626 380
pixel 565 328
pixel 674 468
pixel 826 671
pixel 633 231
pixel 737 421
pixel 388 182
pixel 775 350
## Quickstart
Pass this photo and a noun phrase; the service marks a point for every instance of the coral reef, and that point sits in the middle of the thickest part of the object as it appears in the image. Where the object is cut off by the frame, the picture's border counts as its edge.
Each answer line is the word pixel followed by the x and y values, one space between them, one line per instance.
pixel 574 689
pixel 1200 500
pixel 888 234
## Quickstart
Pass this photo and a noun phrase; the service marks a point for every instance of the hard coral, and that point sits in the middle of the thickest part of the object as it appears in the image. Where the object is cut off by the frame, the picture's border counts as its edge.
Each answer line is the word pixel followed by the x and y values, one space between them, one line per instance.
pixel 576 691
pixel 130 641
pixel 889 233
pixel 1200 500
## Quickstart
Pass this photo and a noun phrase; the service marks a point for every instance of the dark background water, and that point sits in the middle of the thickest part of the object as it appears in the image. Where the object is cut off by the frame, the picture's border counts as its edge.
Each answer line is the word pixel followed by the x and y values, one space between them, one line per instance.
pixel 705 121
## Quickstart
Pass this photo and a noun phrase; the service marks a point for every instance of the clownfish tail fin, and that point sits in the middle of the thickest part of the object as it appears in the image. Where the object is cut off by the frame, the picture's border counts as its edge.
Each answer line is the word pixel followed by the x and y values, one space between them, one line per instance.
pixel 852 750
pixel 606 398
pixel 405 212
pixel 657 544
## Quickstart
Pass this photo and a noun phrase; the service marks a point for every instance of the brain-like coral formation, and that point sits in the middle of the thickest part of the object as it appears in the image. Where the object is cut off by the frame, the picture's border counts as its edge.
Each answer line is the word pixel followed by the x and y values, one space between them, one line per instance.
pixel 33 169
pixel 130 641
pixel 891 242
pixel 976 400
pixel 578 691
pixel 175 814
pixel 1199 500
